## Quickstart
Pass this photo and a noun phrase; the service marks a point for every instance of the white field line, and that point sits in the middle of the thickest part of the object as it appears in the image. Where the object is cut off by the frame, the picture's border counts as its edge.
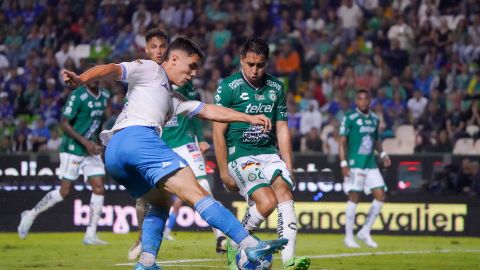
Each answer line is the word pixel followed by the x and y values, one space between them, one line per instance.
pixel 181 263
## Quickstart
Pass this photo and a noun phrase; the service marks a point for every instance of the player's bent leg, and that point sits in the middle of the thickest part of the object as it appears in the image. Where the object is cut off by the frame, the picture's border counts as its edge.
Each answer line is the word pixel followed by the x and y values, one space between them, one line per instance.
pixel 373 212
pixel 184 185
pixel 49 200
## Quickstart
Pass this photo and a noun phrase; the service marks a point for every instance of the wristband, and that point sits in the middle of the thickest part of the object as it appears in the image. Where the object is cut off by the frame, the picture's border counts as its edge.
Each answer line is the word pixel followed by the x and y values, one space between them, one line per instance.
pixel 343 163
pixel 383 154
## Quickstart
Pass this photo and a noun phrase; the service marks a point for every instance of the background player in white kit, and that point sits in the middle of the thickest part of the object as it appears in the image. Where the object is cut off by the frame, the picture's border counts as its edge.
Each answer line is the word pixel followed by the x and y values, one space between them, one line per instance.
pixel 180 133
pixel 139 160
pixel 359 140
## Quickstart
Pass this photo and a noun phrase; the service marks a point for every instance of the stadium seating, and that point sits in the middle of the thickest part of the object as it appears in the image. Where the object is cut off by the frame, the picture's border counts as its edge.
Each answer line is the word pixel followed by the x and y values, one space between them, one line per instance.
pixel 464 146
pixel 472 130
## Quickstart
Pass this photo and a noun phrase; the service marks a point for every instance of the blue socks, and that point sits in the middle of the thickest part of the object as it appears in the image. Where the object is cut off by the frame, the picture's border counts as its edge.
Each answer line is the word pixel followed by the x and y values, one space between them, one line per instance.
pixel 172 219
pixel 219 217
pixel 153 226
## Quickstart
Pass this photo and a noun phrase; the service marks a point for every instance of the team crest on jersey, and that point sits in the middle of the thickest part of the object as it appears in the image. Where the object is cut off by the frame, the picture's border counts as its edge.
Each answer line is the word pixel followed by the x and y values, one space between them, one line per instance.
pixel 248 164
pixel 272 95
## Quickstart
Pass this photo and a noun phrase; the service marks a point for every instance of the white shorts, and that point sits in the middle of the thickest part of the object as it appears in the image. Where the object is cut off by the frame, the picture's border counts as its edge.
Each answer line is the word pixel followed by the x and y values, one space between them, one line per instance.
pixel 253 172
pixel 363 180
pixel 70 166
pixel 192 155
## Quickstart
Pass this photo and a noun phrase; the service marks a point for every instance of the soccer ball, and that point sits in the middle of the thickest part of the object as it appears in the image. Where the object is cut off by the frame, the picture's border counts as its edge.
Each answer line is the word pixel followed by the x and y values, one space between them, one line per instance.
pixel 244 264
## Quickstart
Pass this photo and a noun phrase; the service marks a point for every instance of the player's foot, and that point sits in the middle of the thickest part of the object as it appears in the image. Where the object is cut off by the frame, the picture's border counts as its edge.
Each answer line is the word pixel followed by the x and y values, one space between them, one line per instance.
pixel 140 266
pixel 263 248
pixel 367 239
pixel 231 255
pixel 297 263
pixel 135 250
pixel 93 241
pixel 221 245
pixel 167 234
pixel 25 224
pixel 350 243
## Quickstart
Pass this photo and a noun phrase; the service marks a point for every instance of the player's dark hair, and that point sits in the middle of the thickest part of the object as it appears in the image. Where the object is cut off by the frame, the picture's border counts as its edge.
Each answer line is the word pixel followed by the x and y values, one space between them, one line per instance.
pixel 158 33
pixel 187 45
pixel 257 46
pixel 363 91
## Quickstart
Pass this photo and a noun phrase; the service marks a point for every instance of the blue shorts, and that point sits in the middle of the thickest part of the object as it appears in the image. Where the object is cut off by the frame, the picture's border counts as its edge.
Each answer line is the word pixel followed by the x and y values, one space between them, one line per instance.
pixel 137 158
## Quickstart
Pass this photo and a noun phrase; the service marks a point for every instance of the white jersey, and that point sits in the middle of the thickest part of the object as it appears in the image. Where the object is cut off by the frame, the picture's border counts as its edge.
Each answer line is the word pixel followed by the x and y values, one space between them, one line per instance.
pixel 150 100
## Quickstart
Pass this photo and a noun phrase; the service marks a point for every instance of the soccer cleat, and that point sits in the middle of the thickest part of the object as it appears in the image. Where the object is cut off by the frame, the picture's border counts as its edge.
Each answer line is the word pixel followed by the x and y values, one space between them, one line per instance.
pixel 93 241
pixel 231 255
pixel 297 263
pixel 140 266
pixel 221 245
pixel 135 250
pixel 26 222
pixel 167 234
pixel 350 243
pixel 367 239
pixel 264 248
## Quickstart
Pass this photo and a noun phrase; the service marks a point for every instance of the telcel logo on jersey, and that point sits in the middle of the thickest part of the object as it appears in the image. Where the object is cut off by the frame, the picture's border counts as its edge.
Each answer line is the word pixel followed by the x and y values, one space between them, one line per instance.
pixel 261 108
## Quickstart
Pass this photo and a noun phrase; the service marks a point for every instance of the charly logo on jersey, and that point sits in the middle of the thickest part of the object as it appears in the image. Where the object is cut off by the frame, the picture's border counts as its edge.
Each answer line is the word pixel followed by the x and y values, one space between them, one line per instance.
pixel 217 98
pixel 359 122
pixel 90 104
pixel 244 96
pixel 272 95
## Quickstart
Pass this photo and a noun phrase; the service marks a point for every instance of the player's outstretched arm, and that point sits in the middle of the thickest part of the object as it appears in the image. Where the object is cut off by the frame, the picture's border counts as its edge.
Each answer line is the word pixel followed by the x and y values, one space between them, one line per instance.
pixel 226 115
pixel 97 73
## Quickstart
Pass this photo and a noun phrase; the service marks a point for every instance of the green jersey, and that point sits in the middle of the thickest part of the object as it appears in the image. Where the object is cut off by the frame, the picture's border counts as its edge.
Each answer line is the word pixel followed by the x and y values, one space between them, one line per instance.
pixel 181 130
pixel 237 93
pixel 85 113
pixel 361 132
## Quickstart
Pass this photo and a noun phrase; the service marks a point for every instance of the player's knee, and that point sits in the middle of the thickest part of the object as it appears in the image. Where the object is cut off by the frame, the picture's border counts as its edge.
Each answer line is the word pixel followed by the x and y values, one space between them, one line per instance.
pixel 267 205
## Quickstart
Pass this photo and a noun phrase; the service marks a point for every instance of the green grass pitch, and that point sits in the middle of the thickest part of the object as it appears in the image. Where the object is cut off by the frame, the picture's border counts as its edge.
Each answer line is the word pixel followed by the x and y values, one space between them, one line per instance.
pixel 197 250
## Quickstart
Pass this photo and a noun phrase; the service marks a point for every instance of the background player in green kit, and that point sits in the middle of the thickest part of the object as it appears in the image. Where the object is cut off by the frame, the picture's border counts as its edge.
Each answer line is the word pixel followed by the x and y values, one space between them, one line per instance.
pixel 359 140
pixel 247 157
pixel 81 123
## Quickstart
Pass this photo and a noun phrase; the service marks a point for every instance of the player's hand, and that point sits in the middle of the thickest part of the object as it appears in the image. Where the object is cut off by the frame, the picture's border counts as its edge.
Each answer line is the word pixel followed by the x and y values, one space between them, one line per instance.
pixel 387 162
pixel 261 120
pixel 71 78
pixel 93 148
pixel 204 147
pixel 346 171
pixel 229 182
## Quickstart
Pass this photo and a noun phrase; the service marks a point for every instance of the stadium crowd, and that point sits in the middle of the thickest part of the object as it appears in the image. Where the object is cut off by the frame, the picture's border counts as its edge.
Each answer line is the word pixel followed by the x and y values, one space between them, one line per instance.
pixel 418 58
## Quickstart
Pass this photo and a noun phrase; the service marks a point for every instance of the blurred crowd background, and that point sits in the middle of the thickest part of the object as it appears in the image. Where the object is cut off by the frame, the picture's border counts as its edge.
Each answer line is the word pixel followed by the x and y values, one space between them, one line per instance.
pixel 418 58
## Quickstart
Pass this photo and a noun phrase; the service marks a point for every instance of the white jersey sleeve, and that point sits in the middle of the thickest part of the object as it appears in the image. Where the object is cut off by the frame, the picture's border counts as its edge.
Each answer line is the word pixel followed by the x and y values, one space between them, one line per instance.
pixel 138 70
pixel 184 106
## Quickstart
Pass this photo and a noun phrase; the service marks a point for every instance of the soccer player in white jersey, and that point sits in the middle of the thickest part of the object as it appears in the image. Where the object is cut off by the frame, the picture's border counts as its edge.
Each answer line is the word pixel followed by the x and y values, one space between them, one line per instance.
pixel 248 159
pixel 81 122
pixel 138 159
pixel 180 133
pixel 359 140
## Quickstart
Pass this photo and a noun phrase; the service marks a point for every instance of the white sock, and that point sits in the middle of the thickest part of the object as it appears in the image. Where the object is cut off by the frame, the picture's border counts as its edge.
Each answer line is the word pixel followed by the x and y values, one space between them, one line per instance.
pixel 218 233
pixel 252 219
pixel 249 241
pixel 350 219
pixel 146 259
pixel 287 228
pixel 96 205
pixel 49 200
pixel 373 212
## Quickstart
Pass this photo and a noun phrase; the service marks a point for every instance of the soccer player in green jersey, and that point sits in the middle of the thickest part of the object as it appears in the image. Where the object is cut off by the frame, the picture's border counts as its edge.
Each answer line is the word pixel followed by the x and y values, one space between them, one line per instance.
pixel 359 140
pixel 247 158
pixel 81 123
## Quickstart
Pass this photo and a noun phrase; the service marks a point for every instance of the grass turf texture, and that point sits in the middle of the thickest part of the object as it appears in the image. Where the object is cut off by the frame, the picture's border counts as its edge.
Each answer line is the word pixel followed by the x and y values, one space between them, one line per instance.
pixel 66 251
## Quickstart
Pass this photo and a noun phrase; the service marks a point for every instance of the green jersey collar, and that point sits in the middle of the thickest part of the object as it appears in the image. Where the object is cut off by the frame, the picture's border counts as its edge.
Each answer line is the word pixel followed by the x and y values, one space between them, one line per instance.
pixel 361 113
pixel 93 95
